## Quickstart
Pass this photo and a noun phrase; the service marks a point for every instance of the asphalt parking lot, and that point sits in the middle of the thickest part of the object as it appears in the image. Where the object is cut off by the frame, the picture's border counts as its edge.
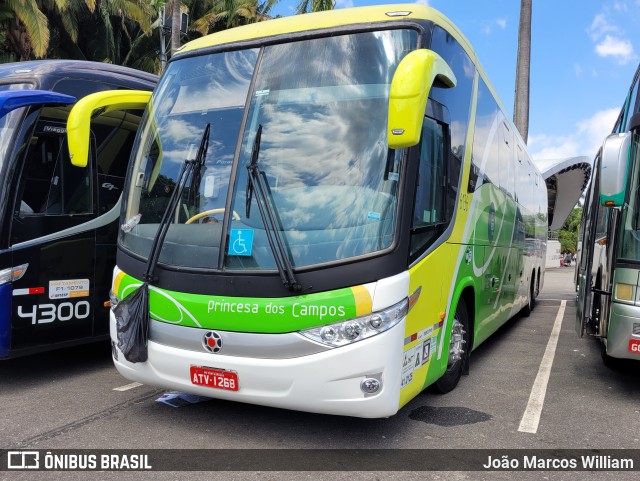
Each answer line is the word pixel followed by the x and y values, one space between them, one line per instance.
pixel 75 399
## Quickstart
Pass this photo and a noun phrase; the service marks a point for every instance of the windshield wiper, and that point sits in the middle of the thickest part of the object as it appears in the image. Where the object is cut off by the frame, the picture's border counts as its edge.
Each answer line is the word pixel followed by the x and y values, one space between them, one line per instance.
pixel 132 313
pixel 257 182
pixel 188 167
pixel 254 162
pixel 194 187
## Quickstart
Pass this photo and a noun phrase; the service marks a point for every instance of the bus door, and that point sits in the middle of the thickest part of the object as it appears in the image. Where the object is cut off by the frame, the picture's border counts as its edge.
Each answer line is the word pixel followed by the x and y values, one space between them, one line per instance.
pixel 585 275
pixel 52 235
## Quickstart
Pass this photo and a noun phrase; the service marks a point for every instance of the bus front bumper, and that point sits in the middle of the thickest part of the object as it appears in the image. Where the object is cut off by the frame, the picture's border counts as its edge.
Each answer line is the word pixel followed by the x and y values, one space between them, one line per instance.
pixel 623 336
pixel 327 382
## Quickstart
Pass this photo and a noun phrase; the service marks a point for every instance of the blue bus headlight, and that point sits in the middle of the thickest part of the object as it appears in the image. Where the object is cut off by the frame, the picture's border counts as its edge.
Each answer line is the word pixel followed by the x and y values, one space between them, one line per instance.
pixel 353 330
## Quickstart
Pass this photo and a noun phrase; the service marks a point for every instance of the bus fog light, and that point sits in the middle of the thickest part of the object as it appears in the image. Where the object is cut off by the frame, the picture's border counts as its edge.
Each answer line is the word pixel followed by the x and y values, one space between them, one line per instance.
pixel 370 385
pixel 353 330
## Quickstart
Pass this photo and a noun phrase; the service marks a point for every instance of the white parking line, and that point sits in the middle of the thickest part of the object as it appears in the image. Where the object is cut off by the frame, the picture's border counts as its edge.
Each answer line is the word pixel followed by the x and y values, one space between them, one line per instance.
pixel 126 387
pixel 531 416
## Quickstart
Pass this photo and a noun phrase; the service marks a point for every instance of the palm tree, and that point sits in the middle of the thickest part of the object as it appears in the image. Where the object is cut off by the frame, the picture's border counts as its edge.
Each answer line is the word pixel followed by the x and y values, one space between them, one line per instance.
pixel 145 48
pixel 222 14
pixel 523 67
pixel 101 30
pixel 25 28
pixel 308 6
pixel 65 14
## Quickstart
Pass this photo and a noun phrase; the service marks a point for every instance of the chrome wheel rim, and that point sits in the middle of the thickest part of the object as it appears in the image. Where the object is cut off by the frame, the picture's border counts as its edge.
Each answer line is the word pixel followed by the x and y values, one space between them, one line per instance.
pixel 457 342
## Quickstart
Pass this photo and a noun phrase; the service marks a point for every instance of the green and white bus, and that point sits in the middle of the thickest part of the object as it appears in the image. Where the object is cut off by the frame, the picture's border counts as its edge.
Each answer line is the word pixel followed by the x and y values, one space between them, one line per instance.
pixel 360 213
pixel 609 264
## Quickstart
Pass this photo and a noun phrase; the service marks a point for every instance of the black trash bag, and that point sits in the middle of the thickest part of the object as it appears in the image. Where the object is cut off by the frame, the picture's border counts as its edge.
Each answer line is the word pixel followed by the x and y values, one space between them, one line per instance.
pixel 132 321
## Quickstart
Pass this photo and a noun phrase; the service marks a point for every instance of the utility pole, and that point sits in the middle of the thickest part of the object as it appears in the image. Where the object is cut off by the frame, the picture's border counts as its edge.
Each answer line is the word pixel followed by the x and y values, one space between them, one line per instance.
pixel 523 69
pixel 163 43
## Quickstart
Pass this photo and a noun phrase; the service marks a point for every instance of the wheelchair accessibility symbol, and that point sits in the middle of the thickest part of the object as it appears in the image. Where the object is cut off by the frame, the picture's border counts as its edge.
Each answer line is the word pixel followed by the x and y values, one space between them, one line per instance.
pixel 240 242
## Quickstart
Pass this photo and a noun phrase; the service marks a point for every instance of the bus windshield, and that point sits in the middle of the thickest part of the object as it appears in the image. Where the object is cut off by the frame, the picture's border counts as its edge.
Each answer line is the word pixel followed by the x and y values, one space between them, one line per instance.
pixel 331 182
pixel 629 244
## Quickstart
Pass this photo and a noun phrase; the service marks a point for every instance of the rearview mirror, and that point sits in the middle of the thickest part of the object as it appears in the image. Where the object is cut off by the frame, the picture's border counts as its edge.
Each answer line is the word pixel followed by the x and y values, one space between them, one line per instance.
pixel 614 164
pixel 81 114
pixel 410 87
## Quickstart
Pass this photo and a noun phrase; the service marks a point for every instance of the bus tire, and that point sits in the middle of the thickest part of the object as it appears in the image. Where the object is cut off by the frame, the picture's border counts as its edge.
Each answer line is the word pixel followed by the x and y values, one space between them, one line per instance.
pixel 531 301
pixel 449 380
pixel 533 294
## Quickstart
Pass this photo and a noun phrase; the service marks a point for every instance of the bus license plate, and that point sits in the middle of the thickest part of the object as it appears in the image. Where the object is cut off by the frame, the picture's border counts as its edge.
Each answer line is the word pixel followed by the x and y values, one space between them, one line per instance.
pixel 214 378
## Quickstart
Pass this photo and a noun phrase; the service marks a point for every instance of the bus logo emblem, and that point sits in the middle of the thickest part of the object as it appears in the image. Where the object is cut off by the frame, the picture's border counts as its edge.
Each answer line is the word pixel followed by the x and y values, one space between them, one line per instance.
pixel 212 342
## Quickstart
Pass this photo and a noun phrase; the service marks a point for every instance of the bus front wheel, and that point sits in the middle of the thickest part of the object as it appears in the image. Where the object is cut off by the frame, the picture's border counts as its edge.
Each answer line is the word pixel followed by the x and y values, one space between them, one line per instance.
pixel 458 347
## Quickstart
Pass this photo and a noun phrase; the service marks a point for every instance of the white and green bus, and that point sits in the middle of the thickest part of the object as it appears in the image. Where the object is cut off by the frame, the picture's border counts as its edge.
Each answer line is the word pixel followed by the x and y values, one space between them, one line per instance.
pixel 335 208
pixel 607 273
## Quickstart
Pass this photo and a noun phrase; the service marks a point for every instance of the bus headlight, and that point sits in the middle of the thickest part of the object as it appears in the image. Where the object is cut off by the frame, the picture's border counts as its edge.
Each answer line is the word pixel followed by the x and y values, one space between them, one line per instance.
pixel 12 274
pixel 624 292
pixel 353 330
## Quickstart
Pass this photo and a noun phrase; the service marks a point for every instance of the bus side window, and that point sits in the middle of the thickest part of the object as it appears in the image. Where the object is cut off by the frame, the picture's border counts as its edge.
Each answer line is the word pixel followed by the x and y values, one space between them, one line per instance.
pixel 632 106
pixel 457 102
pixel 487 141
pixel 507 161
pixel 50 184
pixel 430 201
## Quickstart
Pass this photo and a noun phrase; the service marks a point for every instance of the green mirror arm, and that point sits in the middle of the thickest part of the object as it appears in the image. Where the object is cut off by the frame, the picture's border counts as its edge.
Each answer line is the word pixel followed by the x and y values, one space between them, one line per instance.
pixel 79 121
pixel 410 87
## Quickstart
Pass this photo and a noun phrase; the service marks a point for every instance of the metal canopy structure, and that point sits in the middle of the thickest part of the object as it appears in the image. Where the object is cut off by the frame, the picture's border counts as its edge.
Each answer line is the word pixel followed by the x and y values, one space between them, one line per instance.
pixel 566 181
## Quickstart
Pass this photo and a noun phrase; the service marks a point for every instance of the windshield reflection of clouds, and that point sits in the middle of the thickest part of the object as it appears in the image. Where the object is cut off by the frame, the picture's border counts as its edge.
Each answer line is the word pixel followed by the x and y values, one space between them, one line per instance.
pixel 193 92
pixel 324 147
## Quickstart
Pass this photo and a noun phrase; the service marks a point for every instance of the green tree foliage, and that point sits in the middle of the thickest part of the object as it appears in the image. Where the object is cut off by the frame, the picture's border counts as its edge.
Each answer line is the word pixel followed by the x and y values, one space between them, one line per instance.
pixel 25 29
pixel 308 6
pixel 222 14
pixel 99 30
pixel 568 234
pixel 124 32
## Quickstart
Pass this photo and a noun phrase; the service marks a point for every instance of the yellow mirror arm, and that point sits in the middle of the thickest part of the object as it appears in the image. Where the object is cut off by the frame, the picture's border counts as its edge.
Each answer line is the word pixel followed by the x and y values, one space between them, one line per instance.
pixel 79 121
pixel 410 87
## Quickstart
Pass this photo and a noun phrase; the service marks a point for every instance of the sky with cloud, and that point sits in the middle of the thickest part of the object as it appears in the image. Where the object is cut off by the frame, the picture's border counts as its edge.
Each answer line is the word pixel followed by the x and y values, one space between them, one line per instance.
pixel 584 55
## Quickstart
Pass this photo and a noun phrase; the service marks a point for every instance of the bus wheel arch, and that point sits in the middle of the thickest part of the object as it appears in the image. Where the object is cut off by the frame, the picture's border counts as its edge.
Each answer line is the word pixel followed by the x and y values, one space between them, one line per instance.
pixel 460 343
